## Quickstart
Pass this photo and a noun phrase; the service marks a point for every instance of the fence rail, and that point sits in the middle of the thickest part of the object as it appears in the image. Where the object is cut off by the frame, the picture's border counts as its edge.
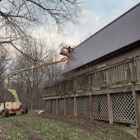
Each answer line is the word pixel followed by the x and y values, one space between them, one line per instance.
pixel 121 73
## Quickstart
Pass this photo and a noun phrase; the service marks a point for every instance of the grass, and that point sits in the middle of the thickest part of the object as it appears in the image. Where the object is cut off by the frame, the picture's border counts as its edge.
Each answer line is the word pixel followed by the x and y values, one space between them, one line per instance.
pixel 29 127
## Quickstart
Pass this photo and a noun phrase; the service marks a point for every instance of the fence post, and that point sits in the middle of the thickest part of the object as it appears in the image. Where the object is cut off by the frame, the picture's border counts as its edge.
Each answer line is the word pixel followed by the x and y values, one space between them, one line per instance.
pixel 135 101
pixel 65 107
pixel 45 104
pixel 135 98
pixel 75 106
pixel 110 109
pixel 138 103
pixel 50 107
pixel 57 106
pixel 91 108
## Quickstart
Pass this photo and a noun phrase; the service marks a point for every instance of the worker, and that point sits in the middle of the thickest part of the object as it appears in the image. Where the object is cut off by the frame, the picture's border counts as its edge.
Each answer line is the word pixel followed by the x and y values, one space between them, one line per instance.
pixel 66 50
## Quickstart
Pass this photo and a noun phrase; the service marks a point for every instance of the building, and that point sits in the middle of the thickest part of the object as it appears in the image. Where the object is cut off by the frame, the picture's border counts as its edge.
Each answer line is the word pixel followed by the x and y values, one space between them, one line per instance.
pixel 102 76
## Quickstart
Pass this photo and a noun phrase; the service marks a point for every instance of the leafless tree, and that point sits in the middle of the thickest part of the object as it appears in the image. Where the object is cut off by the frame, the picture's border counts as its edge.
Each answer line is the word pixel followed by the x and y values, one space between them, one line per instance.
pixel 29 84
pixel 4 60
pixel 19 18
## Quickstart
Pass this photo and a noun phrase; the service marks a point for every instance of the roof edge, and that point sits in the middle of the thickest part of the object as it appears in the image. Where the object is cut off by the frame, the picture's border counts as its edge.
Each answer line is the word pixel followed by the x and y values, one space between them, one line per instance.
pixel 127 47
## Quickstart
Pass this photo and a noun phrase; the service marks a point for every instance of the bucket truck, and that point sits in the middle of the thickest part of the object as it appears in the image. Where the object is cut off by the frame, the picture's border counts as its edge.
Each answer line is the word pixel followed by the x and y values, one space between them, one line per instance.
pixel 11 108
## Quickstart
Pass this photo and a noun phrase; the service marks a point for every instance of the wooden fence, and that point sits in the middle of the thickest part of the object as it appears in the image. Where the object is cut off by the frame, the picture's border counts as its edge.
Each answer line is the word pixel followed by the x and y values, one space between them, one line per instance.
pixel 110 93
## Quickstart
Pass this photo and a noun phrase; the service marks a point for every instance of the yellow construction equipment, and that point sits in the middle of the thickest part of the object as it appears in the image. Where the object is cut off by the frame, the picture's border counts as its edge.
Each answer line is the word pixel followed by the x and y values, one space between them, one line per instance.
pixel 11 108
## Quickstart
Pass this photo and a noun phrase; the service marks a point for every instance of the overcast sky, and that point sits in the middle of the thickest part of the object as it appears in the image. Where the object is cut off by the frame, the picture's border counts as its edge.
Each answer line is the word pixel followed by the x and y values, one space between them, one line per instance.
pixel 95 15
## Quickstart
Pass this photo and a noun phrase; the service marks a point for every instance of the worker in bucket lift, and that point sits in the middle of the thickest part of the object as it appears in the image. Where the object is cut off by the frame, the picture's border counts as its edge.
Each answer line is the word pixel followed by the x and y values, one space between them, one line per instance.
pixel 66 50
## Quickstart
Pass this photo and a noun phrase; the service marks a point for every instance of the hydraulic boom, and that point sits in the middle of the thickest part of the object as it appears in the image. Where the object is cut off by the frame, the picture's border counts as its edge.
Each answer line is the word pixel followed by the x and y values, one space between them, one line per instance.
pixel 11 108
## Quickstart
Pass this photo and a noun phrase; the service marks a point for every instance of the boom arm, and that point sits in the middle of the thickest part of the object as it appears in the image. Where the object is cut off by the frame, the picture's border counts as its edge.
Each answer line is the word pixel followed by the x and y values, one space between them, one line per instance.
pixel 9 75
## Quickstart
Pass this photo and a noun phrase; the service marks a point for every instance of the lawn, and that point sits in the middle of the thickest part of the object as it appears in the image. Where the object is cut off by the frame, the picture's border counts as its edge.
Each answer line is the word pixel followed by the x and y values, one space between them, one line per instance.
pixel 30 127
pixel 33 126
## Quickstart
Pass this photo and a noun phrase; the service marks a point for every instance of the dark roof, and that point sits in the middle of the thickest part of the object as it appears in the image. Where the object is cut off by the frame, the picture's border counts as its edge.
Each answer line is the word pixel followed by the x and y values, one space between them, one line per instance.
pixel 118 34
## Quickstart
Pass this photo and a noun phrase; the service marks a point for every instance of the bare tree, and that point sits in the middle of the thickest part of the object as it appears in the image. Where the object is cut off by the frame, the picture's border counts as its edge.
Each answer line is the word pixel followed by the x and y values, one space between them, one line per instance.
pixel 29 85
pixel 4 60
pixel 19 18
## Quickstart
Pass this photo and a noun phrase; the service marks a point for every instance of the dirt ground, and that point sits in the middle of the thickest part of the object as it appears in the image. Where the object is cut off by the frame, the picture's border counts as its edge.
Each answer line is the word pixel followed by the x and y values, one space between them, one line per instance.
pixel 101 129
